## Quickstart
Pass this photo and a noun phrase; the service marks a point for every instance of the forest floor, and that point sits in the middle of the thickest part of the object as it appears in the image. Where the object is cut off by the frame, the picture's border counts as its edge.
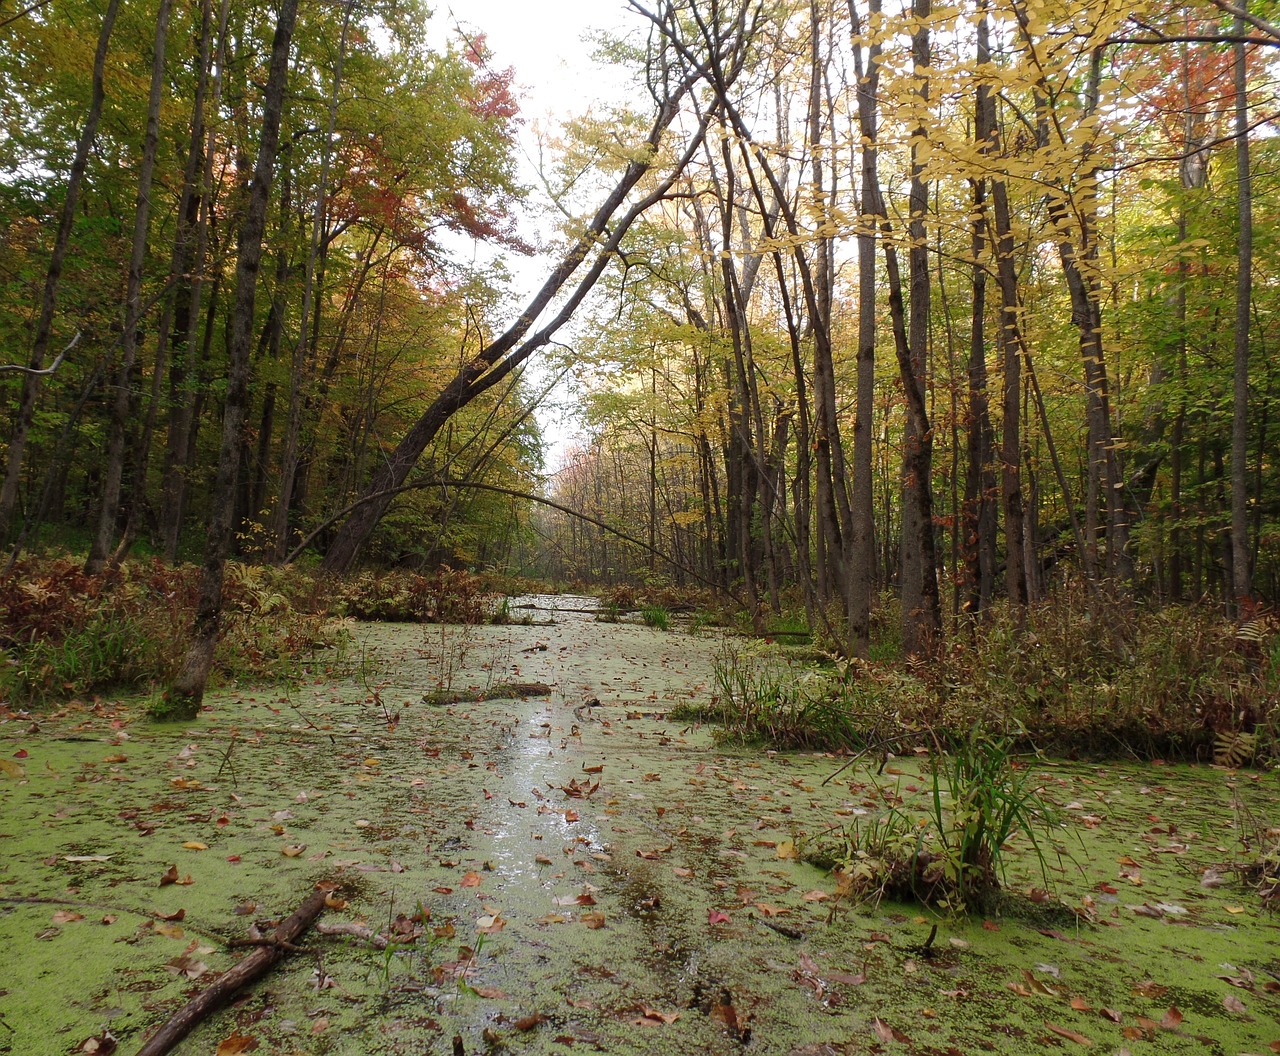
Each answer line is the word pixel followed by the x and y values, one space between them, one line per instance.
pixel 585 876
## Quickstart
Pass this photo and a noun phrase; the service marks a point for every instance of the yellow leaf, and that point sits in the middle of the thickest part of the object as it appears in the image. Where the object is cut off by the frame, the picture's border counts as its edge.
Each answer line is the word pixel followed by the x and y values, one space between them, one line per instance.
pixel 195 845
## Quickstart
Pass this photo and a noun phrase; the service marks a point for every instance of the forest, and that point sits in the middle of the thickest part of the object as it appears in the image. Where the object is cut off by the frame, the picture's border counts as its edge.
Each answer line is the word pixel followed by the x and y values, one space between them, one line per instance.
pixel 888 661
pixel 946 308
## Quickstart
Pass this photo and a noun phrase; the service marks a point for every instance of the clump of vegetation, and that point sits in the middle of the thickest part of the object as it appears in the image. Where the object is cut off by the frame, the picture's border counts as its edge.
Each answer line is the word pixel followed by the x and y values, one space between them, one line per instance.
pixel 446 596
pixel 949 850
pixel 656 616
pixel 765 696
pixel 65 634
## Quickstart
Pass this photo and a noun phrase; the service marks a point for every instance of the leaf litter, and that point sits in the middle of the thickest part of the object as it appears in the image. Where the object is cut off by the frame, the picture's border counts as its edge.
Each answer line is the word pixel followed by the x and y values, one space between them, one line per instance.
pixel 580 868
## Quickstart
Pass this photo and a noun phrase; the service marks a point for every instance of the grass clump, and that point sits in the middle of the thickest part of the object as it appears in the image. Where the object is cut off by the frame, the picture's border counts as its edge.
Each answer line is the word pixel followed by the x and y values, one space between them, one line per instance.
pixel 947 847
pixel 656 616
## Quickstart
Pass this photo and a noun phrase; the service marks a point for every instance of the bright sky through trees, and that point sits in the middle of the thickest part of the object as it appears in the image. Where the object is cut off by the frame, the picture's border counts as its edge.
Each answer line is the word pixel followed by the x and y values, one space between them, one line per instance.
pixel 550 45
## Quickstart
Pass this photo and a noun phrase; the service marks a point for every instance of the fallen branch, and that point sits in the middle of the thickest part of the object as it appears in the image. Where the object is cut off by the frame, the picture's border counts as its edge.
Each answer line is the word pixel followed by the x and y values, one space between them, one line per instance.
pixel 231 982
pixel 355 931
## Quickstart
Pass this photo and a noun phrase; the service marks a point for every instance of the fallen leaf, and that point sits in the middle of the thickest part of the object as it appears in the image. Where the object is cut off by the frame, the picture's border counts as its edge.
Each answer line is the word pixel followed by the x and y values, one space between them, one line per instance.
pixel 1232 1003
pixel 103 1045
pixel 176 915
pixel 12 769
pixel 67 916
pixel 1149 988
pixel 236 1044
pixel 1172 1019
pixel 849 980
pixel 471 880
pixel 490 992
pixel 887 1033
pixel 787 849
pixel 651 1017
pixel 293 850
pixel 529 1022
pixel 771 911
pixel 1070 1035
pixel 171 931
pixel 320 1026
pixel 551 918
pixel 717 916
pixel 170 876
pixel 1111 1014
pixel 683 873
pixel 195 845
pixel 1080 1004
pixel 592 920
pixel 815 896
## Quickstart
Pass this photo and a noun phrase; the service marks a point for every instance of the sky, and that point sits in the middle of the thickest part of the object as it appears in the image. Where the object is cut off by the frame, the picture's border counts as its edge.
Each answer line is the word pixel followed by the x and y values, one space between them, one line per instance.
pixel 548 44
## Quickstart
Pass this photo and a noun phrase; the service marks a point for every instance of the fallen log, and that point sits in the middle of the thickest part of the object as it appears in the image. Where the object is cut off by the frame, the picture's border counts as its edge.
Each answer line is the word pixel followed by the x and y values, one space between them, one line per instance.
pixel 235 979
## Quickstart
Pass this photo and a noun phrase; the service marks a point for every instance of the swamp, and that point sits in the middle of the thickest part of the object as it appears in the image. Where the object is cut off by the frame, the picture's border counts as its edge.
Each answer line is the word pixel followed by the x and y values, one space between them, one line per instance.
pixel 581 870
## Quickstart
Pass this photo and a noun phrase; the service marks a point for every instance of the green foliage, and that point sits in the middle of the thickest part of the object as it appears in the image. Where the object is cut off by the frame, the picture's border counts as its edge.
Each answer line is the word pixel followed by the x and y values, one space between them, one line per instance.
pixel 765 696
pixel 950 854
pixel 656 616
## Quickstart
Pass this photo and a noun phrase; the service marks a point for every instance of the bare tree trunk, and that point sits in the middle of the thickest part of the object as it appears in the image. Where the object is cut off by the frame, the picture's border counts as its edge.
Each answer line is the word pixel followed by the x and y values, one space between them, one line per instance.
pixel 921 608
pixel 101 546
pixel 53 275
pixel 1241 571
pixel 190 683
pixel 862 572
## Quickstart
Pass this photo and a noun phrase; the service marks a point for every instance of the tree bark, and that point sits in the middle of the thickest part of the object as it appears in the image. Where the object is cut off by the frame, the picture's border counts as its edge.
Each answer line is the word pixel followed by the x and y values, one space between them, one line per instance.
pixel 120 404
pixel 1241 574
pixel 245 972
pixel 190 682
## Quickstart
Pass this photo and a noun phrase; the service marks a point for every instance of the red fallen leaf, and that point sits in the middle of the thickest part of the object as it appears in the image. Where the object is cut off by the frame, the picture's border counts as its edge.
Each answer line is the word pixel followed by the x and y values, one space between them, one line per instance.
pixel 1274 1046
pixel 717 916
pixel 21 753
pixel 529 1022
pixel 236 1044
pixel 233 858
pixel 1171 1019
pixel 471 880
pixel 1070 1035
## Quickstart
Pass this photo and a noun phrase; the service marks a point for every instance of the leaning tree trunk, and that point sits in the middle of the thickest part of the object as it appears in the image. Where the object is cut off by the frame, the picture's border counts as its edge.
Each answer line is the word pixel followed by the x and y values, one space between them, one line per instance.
pixel 188 687
pixel 49 300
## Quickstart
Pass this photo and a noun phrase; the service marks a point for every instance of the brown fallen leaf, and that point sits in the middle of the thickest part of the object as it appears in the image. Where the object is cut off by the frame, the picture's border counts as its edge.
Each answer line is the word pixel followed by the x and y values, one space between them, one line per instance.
pixel 176 915
pixel 320 1026
pixel 592 920
pixel 1171 1019
pixel 1037 986
pixel 236 1044
pixel 472 879
pixel 651 1017
pixel 1111 1014
pixel 1233 1004
pixel 67 916
pixel 771 911
pixel 1080 1004
pixel 529 1022
pixel 293 850
pixel 490 992
pixel 1149 988
pixel 887 1033
pixel 1070 1035
pixel 849 980
pixel 102 1045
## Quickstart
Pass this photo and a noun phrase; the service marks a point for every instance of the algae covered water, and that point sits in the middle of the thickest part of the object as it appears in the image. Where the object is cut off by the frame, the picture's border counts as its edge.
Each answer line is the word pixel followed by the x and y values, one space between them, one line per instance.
pixel 576 871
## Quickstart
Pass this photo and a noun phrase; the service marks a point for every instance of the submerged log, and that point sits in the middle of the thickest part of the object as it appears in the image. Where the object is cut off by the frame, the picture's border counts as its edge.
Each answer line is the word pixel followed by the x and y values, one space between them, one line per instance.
pixel 245 972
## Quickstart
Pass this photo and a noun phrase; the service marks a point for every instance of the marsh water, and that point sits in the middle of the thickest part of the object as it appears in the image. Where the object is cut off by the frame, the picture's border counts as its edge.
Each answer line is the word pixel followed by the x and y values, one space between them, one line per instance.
pixel 580 871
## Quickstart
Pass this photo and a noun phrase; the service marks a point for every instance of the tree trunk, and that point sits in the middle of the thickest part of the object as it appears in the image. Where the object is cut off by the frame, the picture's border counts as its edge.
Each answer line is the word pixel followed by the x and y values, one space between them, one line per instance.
pixel 190 682
pixel 53 275
pixel 1241 575
pixel 107 515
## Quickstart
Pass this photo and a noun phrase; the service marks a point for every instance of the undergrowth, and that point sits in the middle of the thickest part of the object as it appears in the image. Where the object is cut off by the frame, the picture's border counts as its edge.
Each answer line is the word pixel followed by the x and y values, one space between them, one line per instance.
pixel 1118 681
